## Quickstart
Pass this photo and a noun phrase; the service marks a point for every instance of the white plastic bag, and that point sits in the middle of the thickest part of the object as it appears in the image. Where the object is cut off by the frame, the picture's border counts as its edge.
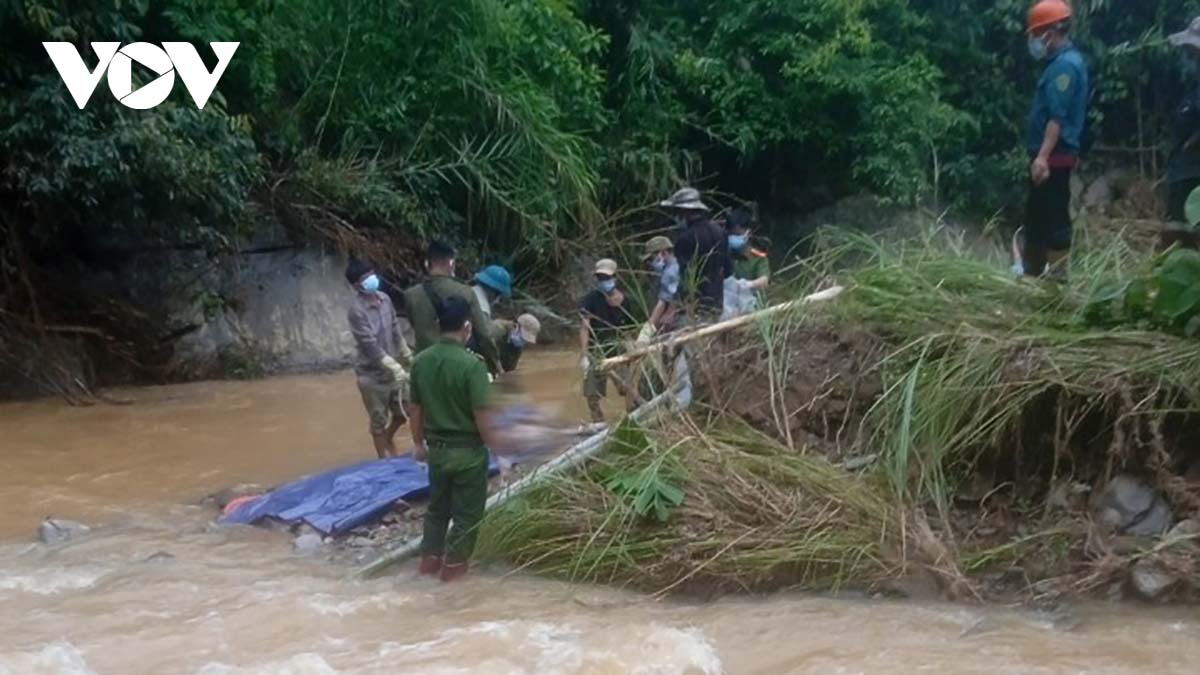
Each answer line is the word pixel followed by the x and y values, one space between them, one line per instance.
pixel 739 298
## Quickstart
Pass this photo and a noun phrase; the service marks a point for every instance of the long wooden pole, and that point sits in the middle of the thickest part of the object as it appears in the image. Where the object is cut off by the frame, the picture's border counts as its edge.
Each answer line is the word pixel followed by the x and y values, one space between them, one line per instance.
pixel 713 329
pixel 572 457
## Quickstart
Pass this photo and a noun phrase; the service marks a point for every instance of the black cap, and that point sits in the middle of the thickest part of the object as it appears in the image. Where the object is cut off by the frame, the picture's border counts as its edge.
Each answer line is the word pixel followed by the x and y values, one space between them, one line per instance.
pixel 739 217
pixel 357 269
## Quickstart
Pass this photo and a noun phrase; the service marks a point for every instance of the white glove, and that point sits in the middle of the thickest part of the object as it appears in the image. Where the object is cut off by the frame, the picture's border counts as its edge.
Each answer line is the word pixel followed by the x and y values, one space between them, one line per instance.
pixel 397 370
pixel 585 364
pixel 647 334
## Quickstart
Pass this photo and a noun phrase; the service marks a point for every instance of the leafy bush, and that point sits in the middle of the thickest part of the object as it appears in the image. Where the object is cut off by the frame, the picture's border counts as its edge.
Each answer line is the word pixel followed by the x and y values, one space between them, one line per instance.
pixel 1167 297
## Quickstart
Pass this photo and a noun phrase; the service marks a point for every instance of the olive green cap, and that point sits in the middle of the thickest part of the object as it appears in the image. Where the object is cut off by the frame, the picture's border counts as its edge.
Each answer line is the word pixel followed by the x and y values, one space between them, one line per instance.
pixel 656 244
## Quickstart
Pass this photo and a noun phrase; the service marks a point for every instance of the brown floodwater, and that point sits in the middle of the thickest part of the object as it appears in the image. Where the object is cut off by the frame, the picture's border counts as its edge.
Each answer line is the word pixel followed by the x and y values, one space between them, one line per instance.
pixel 158 588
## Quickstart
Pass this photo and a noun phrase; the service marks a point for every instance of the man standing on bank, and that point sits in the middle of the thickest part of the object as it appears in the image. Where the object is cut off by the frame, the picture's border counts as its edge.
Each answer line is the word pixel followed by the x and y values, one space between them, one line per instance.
pixel 451 429
pixel 751 268
pixel 603 317
pixel 1053 137
pixel 380 348
pixel 702 252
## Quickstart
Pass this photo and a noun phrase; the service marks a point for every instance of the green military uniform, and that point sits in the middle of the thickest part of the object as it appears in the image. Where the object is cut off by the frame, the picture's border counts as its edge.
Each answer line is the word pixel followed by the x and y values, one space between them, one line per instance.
pixel 509 354
pixel 423 316
pixel 751 264
pixel 450 383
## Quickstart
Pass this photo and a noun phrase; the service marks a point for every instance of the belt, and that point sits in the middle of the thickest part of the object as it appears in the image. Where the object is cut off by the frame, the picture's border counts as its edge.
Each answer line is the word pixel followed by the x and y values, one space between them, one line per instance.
pixel 465 444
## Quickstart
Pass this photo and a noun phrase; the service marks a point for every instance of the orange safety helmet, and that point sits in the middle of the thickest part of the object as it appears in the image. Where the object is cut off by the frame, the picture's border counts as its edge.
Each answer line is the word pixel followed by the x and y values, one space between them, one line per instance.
pixel 1046 13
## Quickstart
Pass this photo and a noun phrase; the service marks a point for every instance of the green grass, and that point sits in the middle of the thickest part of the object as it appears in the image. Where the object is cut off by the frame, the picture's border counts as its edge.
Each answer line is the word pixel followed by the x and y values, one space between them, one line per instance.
pixel 974 349
pixel 972 361
pixel 754 515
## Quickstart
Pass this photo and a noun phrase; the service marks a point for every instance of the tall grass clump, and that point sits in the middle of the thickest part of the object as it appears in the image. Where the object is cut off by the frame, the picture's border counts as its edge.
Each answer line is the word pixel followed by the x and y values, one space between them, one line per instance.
pixel 750 515
pixel 981 358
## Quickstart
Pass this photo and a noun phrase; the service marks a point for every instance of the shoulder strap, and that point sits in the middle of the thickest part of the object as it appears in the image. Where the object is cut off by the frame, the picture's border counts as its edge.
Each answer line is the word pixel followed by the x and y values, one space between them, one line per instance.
pixel 434 298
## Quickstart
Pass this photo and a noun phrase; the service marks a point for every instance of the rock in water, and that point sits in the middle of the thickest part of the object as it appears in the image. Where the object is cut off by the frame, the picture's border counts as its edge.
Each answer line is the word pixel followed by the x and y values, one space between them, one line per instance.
pixel 1130 505
pixel 309 542
pixel 55 531
pixel 1150 580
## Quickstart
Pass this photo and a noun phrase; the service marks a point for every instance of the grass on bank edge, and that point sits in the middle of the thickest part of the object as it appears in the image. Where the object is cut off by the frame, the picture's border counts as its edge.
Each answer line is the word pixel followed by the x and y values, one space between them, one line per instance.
pixel 973 352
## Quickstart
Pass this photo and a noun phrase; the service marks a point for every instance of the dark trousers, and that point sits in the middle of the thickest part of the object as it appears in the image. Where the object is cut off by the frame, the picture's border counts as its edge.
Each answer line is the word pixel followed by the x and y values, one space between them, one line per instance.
pixel 1047 220
pixel 1177 194
pixel 457 497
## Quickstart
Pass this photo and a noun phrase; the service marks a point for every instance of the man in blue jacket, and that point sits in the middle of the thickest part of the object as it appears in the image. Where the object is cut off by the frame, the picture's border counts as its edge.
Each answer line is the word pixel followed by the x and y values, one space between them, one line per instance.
pixel 1053 137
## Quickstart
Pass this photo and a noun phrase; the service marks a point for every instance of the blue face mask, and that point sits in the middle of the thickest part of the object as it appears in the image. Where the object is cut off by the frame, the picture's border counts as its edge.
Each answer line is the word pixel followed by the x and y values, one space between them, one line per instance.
pixel 370 284
pixel 515 339
pixel 738 241
pixel 1037 48
pixel 607 286
pixel 658 264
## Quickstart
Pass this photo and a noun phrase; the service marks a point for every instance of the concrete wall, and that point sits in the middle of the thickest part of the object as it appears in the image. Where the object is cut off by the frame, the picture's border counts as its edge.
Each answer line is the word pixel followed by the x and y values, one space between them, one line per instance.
pixel 287 309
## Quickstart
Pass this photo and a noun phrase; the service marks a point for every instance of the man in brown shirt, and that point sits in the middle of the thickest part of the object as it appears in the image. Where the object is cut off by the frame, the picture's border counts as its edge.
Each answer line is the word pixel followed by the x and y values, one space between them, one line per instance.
pixel 381 348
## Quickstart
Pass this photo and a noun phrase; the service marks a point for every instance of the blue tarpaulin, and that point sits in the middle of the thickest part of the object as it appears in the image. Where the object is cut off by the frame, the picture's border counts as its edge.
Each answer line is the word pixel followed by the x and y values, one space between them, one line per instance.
pixel 344 498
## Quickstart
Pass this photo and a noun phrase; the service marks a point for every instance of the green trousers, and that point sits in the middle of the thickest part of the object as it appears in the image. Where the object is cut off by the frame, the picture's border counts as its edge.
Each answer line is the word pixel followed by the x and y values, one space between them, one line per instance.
pixel 457 496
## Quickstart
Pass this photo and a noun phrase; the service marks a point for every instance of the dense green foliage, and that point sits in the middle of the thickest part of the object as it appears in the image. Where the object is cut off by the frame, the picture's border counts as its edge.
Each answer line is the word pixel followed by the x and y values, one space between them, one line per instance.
pixel 1165 297
pixel 514 122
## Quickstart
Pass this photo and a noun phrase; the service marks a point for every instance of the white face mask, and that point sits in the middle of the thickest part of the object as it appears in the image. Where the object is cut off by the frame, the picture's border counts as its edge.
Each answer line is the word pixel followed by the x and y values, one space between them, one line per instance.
pixel 1037 48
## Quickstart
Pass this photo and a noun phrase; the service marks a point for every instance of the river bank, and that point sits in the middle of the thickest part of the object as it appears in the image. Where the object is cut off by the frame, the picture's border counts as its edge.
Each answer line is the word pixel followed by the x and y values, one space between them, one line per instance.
pixel 996 436
pixel 156 588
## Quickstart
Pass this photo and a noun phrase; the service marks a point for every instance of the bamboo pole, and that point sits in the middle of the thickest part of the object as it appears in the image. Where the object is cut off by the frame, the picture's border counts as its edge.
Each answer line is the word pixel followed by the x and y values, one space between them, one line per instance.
pixel 571 458
pixel 721 327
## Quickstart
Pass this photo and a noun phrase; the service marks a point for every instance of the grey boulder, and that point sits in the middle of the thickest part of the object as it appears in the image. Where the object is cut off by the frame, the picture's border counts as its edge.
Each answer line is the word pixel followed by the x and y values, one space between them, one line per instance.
pixel 1150 580
pixel 1131 506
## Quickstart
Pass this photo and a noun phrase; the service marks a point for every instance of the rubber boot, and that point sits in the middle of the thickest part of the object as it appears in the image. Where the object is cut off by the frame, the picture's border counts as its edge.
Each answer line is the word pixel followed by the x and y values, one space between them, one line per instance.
pixel 453 571
pixel 430 564
pixel 1056 266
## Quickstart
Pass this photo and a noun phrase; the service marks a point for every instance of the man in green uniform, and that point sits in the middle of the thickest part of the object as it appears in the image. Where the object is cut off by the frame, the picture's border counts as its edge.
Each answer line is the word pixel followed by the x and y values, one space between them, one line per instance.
pixel 749 263
pixel 512 337
pixel 751 270
pixel 422 300
pixel 450 424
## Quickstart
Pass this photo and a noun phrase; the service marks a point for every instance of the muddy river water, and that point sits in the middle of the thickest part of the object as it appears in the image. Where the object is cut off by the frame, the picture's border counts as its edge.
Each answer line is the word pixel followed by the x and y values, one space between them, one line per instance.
pixel 157 588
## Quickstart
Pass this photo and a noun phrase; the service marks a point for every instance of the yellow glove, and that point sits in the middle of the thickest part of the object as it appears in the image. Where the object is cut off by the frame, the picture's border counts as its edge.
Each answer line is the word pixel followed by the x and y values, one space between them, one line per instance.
pixel 398 372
